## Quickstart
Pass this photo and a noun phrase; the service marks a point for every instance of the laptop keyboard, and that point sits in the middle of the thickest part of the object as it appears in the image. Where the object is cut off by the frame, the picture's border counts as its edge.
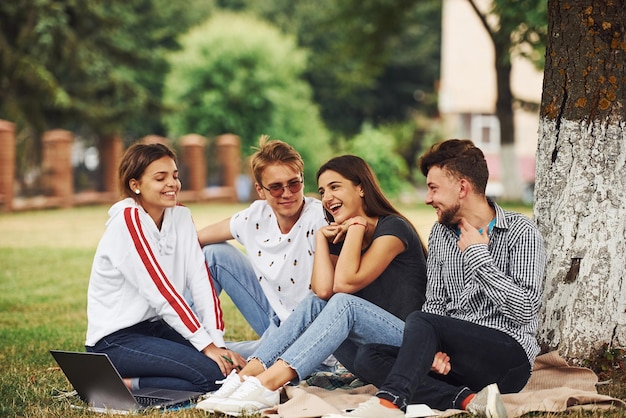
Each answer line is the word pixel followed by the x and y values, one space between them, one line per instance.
pixel 150 400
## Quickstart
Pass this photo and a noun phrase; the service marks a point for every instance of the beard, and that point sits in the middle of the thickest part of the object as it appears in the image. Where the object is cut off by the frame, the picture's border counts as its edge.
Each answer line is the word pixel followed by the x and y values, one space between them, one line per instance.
pixel 448 216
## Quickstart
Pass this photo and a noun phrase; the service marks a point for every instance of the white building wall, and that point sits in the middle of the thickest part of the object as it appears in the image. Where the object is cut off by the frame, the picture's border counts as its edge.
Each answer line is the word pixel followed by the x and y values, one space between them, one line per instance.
pixel 468 84
pixel 468 77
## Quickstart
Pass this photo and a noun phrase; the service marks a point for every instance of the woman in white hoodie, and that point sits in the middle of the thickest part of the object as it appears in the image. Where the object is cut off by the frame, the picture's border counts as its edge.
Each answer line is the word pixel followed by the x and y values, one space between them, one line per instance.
pixel 147 270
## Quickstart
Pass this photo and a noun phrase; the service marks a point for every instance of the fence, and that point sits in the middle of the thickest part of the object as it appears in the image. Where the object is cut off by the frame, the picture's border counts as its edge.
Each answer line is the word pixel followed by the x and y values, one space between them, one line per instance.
pixel 58 174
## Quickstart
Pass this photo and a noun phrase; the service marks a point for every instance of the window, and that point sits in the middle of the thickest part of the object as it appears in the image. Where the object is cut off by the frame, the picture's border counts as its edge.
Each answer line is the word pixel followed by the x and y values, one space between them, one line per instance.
pixel 485 132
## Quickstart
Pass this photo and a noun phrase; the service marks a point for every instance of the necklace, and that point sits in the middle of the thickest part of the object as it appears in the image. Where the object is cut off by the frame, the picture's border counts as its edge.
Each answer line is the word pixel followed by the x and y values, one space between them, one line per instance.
pixel 489 227
pixel 480 231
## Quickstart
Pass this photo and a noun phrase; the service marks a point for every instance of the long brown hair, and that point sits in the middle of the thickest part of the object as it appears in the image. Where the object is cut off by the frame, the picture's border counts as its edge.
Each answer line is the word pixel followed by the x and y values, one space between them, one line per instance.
pixel 375 203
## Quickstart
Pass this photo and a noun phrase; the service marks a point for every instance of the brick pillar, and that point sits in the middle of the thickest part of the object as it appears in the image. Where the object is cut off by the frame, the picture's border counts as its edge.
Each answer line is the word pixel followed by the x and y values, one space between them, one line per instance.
pixel 111 150
pixel 57 165
pixel 7 164
pixel 229 157
pixel 192 147
pixel 154 139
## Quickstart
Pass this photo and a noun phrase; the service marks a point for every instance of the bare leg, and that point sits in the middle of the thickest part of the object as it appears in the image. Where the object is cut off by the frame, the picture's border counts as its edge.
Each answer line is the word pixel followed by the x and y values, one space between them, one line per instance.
pixel 277 375
pixel 253 368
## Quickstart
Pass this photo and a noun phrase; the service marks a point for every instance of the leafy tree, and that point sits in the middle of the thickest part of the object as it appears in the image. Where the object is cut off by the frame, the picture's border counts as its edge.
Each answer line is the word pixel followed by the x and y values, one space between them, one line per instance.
pixel 239 75
pixel 580 202
pixel 411 139
pixel 378 149
pixel 369 67
pixel 87 65
pixel 99 63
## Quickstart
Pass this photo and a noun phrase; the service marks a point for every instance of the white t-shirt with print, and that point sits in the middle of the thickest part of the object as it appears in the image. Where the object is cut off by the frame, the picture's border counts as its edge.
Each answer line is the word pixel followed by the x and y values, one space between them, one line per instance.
pixel 282 262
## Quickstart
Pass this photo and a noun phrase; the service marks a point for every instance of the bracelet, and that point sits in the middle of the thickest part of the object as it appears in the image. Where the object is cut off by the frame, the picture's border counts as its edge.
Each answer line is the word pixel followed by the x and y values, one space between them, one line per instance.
pixel 356 223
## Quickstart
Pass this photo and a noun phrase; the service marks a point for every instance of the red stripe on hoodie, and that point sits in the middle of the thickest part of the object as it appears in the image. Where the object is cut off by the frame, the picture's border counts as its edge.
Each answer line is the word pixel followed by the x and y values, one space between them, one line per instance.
pixel 157 275
pixel 217 306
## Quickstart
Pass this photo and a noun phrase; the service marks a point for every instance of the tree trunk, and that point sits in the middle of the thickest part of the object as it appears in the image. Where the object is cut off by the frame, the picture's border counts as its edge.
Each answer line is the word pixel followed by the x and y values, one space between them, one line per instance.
pixel 580 195
pixel 513 188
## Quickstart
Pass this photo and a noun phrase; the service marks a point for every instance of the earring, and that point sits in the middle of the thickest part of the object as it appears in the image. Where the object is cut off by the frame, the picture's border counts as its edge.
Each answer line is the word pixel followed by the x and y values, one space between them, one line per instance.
pixel 137 191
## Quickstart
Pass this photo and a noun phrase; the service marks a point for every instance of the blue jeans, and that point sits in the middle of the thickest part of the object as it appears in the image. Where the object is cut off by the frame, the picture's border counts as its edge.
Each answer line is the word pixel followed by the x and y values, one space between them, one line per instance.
pixel 247 348
pixel 316 329
pixel 160 357
pixel 479 356
pixel 232 272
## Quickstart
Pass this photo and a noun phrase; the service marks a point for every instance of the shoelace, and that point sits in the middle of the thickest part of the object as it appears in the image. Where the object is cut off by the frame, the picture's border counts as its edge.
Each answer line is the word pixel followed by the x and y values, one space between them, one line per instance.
pixel 247 387
pixel 230 383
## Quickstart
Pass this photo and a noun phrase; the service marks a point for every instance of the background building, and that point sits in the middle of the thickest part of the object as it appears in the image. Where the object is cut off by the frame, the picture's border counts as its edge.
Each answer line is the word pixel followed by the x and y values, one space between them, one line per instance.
pixel 467 95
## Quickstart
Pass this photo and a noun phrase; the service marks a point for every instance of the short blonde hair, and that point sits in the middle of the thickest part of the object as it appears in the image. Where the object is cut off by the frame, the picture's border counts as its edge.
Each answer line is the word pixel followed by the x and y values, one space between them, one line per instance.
pixel 272 152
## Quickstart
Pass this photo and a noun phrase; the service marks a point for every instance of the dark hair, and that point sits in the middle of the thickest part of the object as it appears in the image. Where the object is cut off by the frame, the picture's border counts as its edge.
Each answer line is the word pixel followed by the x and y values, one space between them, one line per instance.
pixel 359 172
pixel 135 161
pixel 461 158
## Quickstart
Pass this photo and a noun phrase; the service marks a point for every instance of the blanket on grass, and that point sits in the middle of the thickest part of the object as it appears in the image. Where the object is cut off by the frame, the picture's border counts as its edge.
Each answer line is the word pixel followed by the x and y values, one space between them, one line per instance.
pixel 553 387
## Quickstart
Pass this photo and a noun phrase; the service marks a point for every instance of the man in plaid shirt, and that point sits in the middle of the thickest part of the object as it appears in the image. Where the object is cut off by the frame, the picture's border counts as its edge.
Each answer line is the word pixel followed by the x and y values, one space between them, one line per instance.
pixel 475 335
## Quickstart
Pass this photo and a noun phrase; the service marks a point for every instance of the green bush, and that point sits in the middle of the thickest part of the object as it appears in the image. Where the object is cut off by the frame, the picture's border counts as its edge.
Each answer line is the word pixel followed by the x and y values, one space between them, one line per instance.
pixel 378 149
pixel 239 75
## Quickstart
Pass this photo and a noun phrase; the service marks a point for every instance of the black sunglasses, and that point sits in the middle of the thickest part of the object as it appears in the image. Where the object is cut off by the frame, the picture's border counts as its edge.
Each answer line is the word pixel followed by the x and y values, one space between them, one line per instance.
pixel 277 190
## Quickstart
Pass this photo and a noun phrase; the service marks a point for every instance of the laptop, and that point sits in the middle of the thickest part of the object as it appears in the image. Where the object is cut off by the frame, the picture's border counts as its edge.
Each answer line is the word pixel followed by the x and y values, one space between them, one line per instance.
pixel 98 383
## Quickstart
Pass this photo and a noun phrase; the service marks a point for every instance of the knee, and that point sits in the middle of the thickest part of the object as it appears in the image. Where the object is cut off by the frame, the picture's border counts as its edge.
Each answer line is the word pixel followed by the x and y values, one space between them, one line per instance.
pixel 418 321
pixel 222 256
pixel 307 310
pixel 218 251
pixel 341 299
pixel 314 303
pixel 414 316
pixel 418 317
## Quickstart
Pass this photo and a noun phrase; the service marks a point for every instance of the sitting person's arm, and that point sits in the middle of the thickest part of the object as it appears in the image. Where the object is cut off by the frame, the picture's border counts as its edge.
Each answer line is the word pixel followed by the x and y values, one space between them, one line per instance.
pixel 322 276
pixel 355 271
pixel 516 292
pixel 214 233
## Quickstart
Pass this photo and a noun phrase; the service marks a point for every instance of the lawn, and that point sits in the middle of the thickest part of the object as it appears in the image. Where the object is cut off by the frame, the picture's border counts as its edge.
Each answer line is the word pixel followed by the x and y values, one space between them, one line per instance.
pixel 45 260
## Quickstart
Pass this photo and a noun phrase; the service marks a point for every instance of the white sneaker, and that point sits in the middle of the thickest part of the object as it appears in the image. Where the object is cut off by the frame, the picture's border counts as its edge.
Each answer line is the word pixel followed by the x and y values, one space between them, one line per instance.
pixel 488 403
pixel 229 385
pixel 370 409
pixel 250 398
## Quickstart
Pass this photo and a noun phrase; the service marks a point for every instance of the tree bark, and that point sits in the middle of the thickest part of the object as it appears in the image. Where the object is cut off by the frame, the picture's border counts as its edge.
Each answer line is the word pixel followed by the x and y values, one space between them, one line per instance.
pixel 513 189
pixel 580 194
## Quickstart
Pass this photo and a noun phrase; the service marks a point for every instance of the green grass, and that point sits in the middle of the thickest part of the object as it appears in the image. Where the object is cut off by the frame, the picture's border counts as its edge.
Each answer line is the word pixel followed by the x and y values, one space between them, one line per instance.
pixel 45 260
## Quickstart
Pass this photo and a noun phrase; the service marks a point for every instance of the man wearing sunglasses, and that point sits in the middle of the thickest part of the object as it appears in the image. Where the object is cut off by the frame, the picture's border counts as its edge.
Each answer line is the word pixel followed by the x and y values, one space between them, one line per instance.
pixel 278 235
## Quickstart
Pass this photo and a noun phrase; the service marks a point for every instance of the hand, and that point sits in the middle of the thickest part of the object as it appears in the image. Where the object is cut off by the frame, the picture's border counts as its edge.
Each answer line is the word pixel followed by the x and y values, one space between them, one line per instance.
pixel 330 231
pixel 334 232
pixel 337 232
pixel 356 222
pixel 470 235
pixel 226 359
pixel 441 363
